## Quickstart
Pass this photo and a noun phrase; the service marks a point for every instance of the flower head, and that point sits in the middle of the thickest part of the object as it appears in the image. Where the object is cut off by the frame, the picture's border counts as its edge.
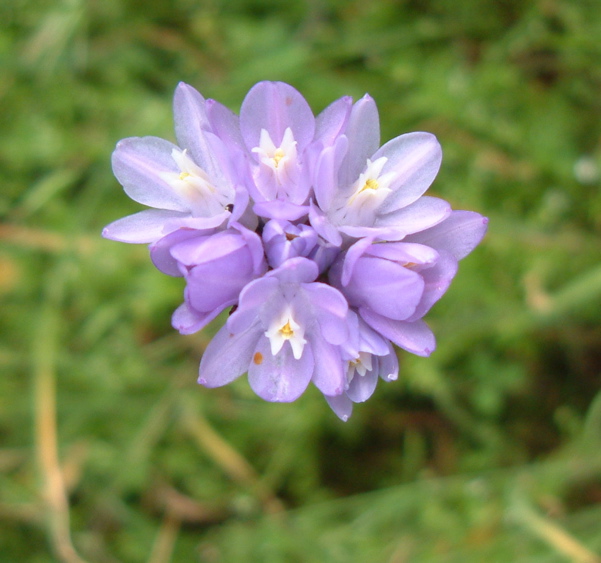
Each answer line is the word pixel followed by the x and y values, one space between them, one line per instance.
pixel 321 242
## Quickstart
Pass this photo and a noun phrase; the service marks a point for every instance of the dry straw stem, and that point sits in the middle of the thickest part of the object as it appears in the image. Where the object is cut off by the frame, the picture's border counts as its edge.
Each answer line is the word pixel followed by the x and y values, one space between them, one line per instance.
pixel 162 549
pixel 556 536
pixel 54 494
pixel 186 509
pixel 48 241
pixel 228 458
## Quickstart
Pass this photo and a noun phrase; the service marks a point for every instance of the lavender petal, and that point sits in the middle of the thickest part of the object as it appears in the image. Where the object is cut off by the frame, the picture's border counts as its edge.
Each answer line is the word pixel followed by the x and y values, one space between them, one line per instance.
pixel 458 234
pixel 279 378
pixel 415 337
pixel 227 356
pixel 138 163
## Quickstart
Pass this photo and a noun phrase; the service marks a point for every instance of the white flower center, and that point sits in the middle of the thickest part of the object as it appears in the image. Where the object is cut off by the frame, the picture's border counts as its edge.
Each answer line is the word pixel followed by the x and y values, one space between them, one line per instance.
pixel 366 195
pixel 286 328
pixel 194 185
pixel 361 365
pixel 280 160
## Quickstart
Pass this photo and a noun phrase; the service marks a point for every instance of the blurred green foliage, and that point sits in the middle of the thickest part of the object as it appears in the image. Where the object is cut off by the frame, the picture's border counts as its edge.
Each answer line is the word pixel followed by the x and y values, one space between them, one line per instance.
pixel 490 450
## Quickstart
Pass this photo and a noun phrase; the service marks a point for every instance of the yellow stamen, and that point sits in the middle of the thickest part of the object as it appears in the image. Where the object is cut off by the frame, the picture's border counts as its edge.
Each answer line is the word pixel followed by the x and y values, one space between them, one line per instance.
pixel 277 156
pixel 371 184
pixel 184 175
pixel 287 331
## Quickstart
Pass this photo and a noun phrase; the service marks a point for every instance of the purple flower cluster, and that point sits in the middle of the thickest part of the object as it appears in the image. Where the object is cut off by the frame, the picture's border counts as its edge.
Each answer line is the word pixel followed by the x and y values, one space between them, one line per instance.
pixel 319 241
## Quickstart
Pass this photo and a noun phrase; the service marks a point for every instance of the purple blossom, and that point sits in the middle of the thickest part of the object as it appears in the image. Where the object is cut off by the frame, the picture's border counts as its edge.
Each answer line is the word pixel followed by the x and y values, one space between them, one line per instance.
pixel 320 242
pixel 277 125
pixel 362 190
pixel 216 267
pixel 368 356
pixel 394 284
pixel 195 184
pixel 287 331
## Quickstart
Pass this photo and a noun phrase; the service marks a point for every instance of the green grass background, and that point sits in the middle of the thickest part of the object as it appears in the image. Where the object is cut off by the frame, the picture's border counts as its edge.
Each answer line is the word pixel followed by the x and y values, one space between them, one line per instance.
pixel 490 450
